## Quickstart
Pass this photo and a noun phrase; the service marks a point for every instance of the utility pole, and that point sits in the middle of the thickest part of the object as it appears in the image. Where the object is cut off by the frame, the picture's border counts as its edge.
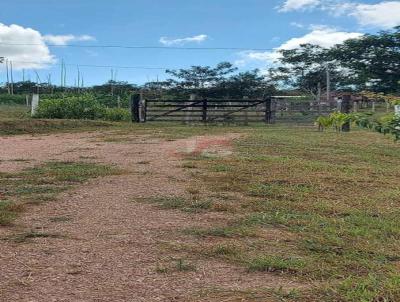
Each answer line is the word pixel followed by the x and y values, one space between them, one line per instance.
pixel 12 78
pixel 112 79
pixel 328 84
pixel 8 79
pixel 79 78
pixel 62 73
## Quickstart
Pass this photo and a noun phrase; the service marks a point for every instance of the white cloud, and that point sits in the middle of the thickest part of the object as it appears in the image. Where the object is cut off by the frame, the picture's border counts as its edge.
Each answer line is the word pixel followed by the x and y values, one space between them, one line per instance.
pixel 65 39
pixel 35 55
pixel 27 47
pixel 297 24
pixel 320 35
pixel 181 41
pixel 293 5
pixel 382 15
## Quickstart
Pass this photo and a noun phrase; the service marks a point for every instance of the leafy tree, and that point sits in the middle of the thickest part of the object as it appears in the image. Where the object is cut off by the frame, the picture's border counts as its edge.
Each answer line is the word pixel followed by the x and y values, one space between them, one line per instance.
pixel 200 79
pixel 373 61
pixel 249 83
pixel 305 68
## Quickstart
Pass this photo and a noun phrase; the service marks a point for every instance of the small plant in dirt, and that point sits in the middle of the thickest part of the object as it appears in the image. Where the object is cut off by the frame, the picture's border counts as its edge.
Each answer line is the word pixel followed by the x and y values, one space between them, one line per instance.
pixel 183 266
pixel 192 205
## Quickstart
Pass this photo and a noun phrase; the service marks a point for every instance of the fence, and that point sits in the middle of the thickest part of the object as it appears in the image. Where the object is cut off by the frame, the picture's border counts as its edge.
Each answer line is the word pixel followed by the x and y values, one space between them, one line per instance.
pixel 268 110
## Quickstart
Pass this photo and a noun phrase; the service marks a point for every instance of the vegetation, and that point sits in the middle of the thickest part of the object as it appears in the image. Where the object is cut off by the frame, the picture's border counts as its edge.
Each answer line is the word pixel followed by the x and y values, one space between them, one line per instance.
pixel 366 63
pixel 387 124
pixel 79 107
pixel 332 219
pixel 42 183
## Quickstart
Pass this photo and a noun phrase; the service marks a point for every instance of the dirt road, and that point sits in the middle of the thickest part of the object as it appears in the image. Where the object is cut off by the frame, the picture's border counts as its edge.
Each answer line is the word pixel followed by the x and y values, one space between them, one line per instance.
pixel 110 246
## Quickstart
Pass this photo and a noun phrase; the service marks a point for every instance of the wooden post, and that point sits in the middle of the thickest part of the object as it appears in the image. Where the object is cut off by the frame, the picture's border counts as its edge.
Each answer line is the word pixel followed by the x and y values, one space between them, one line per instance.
pixel 34 103
pixel 142 109
pixel 135 100
pixel 355 106
pixel 345 108
pixel 397 110
pixel 188 109
pixel 373 106
pixel 269 114
pixel 204 115
pixel 246 113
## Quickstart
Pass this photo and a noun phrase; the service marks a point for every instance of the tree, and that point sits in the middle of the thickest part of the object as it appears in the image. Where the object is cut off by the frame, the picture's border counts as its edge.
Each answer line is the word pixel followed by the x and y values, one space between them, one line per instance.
pixel 372 61
pixel 305 68
pixel 249 83
pixel 198 79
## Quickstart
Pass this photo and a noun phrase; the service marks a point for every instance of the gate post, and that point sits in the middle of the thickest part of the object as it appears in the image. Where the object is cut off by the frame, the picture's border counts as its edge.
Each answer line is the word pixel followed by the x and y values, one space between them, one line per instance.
pixel 346 108
pixel 135 100
pixel 204 115
pixel 269 113
pixel 34 103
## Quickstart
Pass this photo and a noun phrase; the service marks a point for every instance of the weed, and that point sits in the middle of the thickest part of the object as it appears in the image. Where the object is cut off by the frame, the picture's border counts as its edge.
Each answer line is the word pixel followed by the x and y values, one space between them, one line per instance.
pixel 275 264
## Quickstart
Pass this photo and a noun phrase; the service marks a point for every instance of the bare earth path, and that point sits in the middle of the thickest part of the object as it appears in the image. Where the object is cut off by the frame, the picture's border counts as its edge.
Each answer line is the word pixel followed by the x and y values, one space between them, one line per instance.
pixel 110 245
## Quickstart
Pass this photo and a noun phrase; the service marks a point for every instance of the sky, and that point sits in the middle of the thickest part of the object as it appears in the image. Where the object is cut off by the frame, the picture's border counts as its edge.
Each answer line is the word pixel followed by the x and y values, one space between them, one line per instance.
pixel 37 36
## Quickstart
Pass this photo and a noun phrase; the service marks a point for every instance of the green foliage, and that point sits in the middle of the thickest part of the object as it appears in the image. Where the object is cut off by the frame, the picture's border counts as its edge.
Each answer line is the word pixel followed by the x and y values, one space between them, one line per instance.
pixel 82 107
pixel 335 119
pixel 6 99
pixel 117 114
pixel 388 124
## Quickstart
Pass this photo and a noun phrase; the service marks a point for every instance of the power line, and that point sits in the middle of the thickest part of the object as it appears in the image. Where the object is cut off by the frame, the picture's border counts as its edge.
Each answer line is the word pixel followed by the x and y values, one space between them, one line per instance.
pixel 97 66
pixel 140 47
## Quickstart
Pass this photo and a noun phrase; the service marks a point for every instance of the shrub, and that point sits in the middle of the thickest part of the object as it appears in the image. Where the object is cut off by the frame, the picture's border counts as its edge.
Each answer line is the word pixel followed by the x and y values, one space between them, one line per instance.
pixel 117 114
pixel 82 107
pixel 6 99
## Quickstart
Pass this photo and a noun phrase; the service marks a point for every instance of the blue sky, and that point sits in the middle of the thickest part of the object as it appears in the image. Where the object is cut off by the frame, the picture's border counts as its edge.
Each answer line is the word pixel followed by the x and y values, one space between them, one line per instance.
pixel 191 23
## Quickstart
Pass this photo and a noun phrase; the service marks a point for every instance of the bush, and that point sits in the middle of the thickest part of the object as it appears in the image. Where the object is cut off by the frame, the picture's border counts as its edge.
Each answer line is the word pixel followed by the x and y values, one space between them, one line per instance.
pixel 117 114
pixel 82 107
pixel 6 99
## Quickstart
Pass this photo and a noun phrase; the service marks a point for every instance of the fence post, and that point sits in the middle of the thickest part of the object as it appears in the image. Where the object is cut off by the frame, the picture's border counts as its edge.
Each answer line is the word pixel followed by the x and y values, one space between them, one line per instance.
pixel 135 100
pixel 188 109
pixel 269 114
pixel 34 103
pixel 355 106
pixel 397 110
pixel 204 115
pixel 142 108
pixel 246 113
pixel 345 108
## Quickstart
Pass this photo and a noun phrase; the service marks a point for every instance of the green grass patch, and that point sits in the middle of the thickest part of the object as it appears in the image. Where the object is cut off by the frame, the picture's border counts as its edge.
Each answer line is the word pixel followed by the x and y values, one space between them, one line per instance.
pixel 273 263
pixel 43 183
pixel 334 194
pixel 176 202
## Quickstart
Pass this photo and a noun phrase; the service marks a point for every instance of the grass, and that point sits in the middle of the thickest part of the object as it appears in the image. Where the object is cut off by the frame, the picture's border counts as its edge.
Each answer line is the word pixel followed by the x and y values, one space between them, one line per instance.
pixel 176 265
pixel 332 197
pixel 180 203
pixel 268 263
pixel 27 236
pixel 43 183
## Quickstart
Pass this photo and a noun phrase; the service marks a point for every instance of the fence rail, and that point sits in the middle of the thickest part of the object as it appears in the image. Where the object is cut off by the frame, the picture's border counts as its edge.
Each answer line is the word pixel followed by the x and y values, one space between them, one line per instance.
pixel 268 110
